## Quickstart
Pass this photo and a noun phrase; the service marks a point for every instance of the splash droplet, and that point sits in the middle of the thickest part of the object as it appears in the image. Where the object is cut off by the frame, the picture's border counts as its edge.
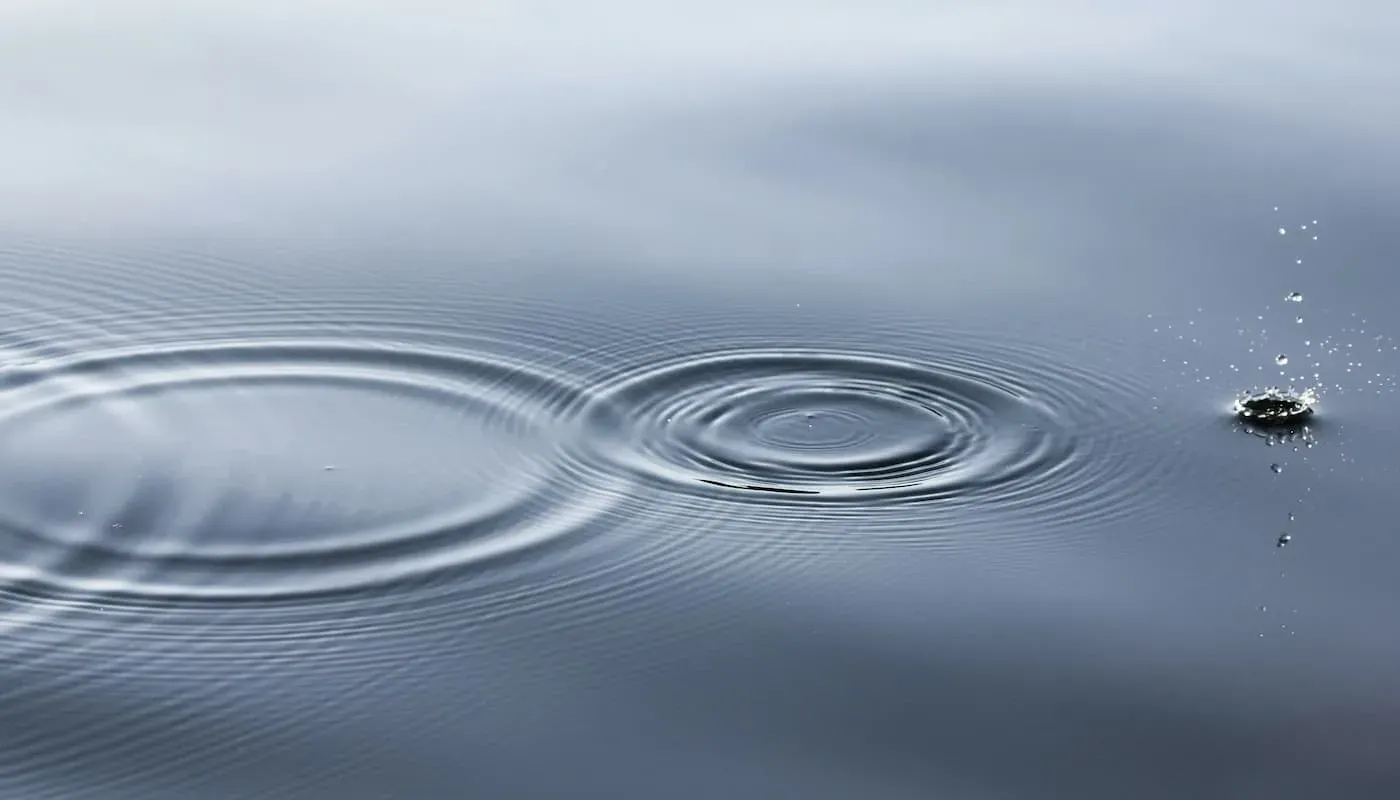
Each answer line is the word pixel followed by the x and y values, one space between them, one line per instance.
pixel 1280 359
pixel 1284 539
pixel 1275 406
pixel 1277 468
pixel 1295 297
pixel 1282 231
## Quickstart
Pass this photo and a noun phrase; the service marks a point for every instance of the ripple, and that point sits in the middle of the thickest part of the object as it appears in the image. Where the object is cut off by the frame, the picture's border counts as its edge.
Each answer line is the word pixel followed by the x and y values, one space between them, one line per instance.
pixel 274 471
pixel 201 418
pixel 517 485
pixel 924 442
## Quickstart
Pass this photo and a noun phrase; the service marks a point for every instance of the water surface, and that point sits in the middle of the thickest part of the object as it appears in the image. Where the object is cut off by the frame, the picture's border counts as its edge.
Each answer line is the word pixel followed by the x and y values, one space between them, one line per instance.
pixel 414 400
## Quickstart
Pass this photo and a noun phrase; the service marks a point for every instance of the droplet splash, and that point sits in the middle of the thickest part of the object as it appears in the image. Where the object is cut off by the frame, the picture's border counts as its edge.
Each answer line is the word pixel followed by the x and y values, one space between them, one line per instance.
pixel 1274 406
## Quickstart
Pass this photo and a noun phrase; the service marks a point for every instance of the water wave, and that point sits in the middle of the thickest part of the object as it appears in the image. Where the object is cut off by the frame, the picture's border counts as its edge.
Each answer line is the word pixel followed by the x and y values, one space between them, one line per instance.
pixel 928 435
pixel 263 470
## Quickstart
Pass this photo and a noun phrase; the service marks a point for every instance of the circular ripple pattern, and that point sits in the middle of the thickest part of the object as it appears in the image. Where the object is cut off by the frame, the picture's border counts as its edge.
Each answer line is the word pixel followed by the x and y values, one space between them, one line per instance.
pixel 266 471
pixel 864 433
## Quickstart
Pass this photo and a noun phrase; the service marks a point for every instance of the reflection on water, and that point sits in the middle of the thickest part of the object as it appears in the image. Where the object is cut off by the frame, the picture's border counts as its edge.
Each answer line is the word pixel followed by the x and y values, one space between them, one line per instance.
pixel 442 400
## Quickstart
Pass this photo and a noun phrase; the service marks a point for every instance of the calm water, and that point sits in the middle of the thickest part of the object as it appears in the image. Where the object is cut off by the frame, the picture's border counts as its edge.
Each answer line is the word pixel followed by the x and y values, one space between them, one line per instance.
pixel 434 400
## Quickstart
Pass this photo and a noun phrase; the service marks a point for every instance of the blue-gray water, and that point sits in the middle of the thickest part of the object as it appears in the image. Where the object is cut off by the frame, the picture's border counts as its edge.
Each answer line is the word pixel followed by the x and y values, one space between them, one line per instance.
pixel 613 400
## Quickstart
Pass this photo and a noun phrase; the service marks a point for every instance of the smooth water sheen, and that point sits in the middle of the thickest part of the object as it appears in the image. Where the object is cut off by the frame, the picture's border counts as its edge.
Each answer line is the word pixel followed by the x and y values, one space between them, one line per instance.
pixel 439 400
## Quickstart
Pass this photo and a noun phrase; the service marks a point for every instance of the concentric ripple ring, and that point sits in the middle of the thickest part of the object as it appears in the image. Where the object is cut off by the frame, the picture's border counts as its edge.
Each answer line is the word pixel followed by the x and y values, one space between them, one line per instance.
pixel 315 469
pixel 866 431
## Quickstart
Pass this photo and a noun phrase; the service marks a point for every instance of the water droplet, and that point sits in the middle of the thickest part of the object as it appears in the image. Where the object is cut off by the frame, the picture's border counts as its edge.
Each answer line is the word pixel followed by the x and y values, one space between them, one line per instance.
pixel 1298 320
pixel 1284 539
pixel 1280 359
pixel 329 468
pixel 1295 297
pixel 1277 468
pixel 1290 516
